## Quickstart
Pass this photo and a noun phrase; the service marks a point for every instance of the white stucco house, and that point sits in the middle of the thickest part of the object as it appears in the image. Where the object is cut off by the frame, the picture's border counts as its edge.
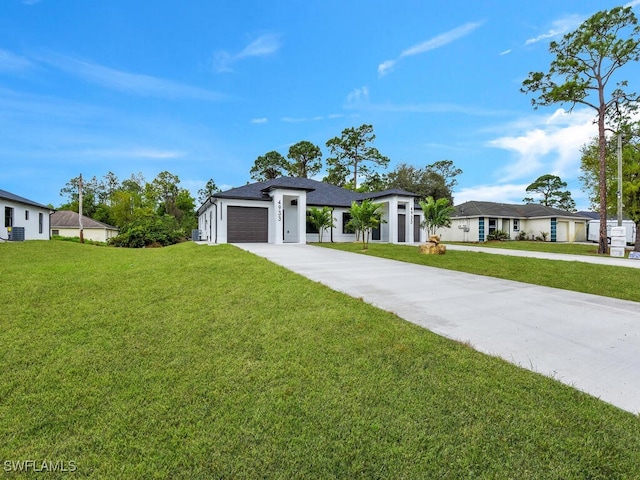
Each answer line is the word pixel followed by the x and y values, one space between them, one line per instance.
pixel 66 223
pixel 475 221
pixel 275 211
pixel 24 214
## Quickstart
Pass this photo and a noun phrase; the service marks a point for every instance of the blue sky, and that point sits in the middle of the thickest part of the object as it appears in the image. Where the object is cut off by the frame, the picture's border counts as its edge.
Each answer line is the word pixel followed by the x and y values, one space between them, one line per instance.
pixel 201 88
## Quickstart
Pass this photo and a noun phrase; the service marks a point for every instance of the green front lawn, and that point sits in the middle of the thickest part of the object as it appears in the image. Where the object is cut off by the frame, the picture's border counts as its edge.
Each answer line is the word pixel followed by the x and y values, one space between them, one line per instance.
pixel 208 362
pixel 549 247
pixel 605 280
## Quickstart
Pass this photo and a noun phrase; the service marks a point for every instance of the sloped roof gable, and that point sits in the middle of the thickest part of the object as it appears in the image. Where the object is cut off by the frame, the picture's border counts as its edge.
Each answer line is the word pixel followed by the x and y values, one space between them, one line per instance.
pixel 69 219
pixel 494 209
pixel 318 193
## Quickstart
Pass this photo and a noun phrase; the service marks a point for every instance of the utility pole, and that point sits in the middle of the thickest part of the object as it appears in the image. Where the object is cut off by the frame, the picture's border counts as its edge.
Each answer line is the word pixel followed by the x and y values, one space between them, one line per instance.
pixel 619 193
pixel 80 209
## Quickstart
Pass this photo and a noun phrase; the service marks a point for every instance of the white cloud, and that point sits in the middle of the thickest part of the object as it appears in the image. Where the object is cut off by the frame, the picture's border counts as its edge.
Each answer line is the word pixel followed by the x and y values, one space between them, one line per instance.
pixel 133 83
pixel 385 67
pixel 136 152
pixel 558 27
pixel 302 119
pixel 316 118
pixel 259 120
pixel 260 47
pixel 504 193
pixel 632 4
pixel 431 44
pixel 13 63
pixel 358 96
pixel 264 45
pixel 156 154
pixel 552 145
pixel 505 52
pixel 441 40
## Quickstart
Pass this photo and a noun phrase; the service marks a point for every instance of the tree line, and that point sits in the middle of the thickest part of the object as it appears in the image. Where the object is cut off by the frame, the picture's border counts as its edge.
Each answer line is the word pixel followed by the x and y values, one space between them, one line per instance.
pixel 357 165
pixel 158 212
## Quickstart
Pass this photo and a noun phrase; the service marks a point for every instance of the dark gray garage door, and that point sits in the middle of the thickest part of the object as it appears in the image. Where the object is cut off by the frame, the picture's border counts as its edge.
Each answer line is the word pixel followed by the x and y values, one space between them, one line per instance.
pixel 247 224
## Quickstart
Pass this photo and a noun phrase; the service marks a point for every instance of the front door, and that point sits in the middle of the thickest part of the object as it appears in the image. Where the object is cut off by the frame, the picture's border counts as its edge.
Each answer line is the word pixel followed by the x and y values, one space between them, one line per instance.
pixel 290 224
pixel 416 228
pixel 402 237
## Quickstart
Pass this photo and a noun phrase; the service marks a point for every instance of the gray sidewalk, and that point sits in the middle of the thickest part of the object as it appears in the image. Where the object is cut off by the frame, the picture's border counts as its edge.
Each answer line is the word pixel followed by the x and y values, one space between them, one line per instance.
pixel 599 259
pixel 589 342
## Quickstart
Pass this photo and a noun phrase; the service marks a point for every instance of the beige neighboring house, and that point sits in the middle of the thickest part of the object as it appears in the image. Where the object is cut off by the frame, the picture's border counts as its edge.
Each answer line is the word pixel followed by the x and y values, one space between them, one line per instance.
pixel 476 221
pixel 65 223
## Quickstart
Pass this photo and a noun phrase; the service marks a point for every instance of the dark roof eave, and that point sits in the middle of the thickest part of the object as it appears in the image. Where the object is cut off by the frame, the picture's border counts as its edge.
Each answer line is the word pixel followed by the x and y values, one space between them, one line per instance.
pixel 242 197
pixel 286 187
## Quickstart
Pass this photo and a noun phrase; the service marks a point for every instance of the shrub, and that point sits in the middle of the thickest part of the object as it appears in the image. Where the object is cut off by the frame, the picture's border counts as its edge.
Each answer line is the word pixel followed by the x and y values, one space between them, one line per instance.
pixel 543 237
pixel 521 236
pixel 498 235
pixel 147 231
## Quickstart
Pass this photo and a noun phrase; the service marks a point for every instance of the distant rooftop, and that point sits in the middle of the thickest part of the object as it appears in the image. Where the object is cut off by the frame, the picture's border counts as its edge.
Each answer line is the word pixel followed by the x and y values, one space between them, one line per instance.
pixel 69 219
pixel 495 209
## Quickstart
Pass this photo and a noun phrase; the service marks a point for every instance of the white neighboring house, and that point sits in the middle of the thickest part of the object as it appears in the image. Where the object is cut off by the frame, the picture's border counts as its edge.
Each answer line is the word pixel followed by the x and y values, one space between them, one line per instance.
pixel 275 211
pixel 22 212
pixel 66 223
pixel 475 221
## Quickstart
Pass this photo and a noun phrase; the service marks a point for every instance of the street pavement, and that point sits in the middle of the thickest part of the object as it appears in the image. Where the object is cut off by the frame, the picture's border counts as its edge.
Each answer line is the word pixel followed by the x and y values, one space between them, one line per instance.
pixel 589 342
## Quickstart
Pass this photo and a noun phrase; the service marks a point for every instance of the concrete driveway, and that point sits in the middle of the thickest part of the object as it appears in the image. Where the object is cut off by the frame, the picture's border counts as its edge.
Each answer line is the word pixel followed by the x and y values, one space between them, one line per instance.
pixel 589 342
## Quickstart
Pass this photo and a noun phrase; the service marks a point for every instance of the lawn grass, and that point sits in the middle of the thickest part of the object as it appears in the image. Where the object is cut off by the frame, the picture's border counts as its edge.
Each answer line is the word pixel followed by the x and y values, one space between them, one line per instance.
pixel 604 280
pixel 209 362
pixel 548 247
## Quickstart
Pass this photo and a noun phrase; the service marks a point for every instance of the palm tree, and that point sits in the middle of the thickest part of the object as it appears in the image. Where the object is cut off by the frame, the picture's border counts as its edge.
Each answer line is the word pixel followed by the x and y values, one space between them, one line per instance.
pixel 437 214
pixel 365 217
pixel 322 219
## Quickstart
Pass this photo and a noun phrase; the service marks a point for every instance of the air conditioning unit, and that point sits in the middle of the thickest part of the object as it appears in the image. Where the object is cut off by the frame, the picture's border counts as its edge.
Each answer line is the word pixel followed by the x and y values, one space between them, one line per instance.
pixel 16 234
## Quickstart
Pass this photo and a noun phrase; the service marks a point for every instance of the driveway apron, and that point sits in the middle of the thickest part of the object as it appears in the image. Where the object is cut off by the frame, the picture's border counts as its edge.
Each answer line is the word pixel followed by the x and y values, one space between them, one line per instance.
pixel 589 342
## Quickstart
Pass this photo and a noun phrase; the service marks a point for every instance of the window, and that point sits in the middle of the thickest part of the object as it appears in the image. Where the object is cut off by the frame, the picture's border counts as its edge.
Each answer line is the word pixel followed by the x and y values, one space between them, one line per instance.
pixel 516 225
pixel 26 214
pixel 311 228
pixel 8 217
pixel 55 233
pixel 493 225
pixel 346 218
pixel 40 222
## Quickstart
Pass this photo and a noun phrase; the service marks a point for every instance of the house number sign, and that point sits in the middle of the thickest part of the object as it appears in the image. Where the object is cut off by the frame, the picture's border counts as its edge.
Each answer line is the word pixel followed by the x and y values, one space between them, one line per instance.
pixel 279 210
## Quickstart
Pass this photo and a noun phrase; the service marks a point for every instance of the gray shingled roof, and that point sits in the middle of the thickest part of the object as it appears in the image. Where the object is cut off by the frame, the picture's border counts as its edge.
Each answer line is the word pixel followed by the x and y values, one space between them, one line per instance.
pixel 16 198
pixel 69 219
pixel 596 216
pixel 493 209
pixel 318 193
pixel 591 215
pixel 391 191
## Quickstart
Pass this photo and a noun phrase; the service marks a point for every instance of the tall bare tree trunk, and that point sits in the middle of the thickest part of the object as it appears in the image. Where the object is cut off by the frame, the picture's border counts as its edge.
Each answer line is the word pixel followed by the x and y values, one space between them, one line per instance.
pixel 602 177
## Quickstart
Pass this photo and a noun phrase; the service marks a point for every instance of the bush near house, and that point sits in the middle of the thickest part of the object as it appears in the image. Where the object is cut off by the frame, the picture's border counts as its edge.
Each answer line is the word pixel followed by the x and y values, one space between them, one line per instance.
pixel 498 235
pixel 148 231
